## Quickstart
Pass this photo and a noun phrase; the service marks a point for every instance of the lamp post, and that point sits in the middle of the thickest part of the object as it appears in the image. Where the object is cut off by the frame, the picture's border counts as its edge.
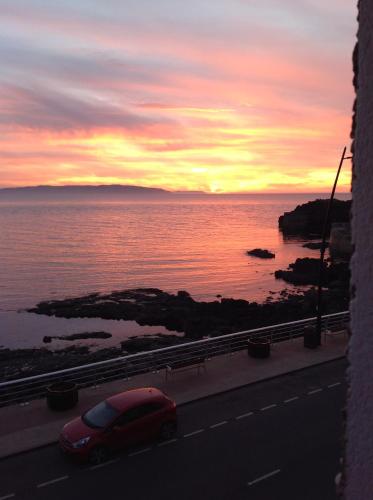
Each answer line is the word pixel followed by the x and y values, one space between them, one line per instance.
pixel 322 250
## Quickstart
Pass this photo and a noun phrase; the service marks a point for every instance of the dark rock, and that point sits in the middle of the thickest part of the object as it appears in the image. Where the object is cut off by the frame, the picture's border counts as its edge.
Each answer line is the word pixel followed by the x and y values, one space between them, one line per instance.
pixel 150 342
pixel 307 272
pixel 308 219
pixel 78 336
pixel 147 305
pixel 87 335
pixel 302 272
pixel 261 253
pixel 315 245
pixel 18 363
pixel 197 327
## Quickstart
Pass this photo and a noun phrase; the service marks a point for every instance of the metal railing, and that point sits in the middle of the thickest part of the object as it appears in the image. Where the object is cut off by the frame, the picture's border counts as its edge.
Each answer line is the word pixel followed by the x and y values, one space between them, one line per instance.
pixel 124 367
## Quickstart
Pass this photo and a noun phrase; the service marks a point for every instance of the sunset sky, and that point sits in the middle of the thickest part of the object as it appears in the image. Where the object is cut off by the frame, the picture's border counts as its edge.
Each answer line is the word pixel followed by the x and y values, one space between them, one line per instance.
pixel 217 95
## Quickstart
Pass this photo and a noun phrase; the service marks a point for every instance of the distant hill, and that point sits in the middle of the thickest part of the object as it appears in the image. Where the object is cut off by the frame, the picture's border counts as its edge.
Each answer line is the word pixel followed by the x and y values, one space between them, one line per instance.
pixel 114 191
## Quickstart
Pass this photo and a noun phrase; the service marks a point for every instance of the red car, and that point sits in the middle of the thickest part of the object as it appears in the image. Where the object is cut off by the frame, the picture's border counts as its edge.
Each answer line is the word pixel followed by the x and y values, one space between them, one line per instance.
pixel 122 420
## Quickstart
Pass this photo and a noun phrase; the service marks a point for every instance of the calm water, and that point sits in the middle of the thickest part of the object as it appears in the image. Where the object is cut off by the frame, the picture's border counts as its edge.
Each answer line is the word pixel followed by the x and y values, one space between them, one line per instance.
pixel 57 250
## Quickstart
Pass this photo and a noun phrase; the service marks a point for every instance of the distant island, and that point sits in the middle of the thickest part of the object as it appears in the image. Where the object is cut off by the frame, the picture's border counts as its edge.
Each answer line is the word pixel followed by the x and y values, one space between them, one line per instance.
pixel 90 192
pixel 114 191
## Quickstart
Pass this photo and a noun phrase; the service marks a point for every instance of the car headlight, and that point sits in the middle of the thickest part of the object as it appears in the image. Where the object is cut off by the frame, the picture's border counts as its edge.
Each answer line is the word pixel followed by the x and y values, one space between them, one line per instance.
pixel 82 442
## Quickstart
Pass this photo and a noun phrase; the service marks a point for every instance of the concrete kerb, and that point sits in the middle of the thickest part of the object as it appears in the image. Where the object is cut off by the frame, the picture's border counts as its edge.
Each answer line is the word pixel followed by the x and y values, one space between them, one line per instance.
pixel 190 401
pixel 28 450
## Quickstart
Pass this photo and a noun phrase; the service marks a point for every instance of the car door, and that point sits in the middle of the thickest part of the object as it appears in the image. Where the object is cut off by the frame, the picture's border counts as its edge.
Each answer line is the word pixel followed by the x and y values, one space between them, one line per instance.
pixel 149 422
pixel 123 431
pixel 136 425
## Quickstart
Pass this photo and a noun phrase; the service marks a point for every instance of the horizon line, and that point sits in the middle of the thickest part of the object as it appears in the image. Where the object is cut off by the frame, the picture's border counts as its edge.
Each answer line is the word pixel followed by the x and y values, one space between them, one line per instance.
pixel 168 191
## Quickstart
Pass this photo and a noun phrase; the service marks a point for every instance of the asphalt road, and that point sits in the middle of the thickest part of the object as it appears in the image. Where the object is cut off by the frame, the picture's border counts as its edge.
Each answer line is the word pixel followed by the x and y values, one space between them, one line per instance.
pixel 274 440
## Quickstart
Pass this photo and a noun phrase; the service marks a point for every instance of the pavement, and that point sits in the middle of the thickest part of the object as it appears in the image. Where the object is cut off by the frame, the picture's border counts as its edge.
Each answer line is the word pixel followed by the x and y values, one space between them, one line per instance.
pixel 32 425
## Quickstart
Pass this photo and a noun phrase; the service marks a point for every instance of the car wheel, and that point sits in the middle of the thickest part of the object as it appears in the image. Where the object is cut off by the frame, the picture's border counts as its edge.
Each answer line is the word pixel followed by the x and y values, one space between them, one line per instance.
pixel 168 430
pixel 98 455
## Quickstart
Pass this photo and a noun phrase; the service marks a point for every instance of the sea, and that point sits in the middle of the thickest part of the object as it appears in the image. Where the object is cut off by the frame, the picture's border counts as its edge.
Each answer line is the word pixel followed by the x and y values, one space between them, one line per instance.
pixel 53 250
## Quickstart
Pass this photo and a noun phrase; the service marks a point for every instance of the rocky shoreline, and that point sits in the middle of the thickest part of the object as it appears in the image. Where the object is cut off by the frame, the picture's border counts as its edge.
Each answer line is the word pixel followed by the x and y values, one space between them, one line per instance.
pixel 178 312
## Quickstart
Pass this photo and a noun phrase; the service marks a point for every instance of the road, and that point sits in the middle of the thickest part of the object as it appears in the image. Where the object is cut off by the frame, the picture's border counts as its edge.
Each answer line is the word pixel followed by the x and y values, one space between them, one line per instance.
pixel 274 440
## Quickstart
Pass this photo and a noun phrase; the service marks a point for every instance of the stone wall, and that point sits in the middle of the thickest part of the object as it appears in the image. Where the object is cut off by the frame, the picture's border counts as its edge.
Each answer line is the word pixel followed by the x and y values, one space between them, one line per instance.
pixel 359 451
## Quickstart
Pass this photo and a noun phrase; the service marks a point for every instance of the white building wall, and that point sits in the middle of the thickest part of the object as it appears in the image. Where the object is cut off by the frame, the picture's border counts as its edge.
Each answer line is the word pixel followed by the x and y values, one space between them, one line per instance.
pixel 359 446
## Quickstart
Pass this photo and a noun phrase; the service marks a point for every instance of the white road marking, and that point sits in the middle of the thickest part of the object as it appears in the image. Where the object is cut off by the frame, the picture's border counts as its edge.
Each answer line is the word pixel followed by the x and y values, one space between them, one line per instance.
pixel 11 495
pixel 168 442
pixel 219 424
pixel 334 385
pixel 244 415
pixel 139 452
pixel 291 399
pixel 104 464
pixel 266 476
pixel 314 391
pixel 268 407
pixel 193 433
pixel 52 481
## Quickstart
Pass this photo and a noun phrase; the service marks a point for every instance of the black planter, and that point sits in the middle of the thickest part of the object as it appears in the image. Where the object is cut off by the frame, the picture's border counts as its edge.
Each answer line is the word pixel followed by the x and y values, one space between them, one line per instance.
pixel 258 348
pixel 62 396
pixel 310 338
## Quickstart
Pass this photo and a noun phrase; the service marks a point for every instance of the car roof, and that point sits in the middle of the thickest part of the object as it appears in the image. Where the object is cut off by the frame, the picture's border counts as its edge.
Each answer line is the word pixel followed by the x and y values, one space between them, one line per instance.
pixel 126 400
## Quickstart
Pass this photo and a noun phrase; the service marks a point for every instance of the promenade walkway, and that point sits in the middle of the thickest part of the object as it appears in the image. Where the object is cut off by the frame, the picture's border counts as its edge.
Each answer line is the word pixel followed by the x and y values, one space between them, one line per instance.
pixel 32 425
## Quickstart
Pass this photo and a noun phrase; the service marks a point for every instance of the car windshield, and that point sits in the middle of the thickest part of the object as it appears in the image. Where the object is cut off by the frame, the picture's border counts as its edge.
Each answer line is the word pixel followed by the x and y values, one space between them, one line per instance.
pixel 100 415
